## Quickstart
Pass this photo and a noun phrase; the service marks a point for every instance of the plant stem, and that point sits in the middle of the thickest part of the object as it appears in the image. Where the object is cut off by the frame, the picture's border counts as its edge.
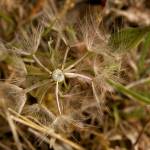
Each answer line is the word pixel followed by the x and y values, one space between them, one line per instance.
pixel 128 92
pixel 77 62
pixel 74 75
pixel 57 98
pixel 43 129
pixel 65 58
pixel 40 64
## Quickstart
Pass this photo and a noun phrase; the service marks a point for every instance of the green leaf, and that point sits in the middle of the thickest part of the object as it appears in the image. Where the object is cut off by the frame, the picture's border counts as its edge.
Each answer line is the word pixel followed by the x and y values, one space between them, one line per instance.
pixel 129 92
pixel 128 38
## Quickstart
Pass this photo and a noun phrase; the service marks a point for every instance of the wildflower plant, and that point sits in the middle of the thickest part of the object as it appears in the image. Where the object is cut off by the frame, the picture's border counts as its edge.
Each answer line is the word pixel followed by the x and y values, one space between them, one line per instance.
pixel 60 69
pixel 68 71
pixel 53 69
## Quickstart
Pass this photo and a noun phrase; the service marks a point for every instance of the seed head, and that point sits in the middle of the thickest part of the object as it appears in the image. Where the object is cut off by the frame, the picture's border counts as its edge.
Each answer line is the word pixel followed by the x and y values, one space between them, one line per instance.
pixel 58 75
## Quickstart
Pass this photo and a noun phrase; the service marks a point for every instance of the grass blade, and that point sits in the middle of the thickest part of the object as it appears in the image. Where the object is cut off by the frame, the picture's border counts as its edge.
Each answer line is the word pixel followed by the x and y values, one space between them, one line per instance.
pixel 129 92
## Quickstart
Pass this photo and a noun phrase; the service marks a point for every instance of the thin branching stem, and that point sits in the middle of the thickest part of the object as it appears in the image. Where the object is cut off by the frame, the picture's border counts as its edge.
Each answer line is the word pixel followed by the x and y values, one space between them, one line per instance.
pixel 65 58
pixel 40 64
pixel 77 62
pixel 57 98
pixel 74 75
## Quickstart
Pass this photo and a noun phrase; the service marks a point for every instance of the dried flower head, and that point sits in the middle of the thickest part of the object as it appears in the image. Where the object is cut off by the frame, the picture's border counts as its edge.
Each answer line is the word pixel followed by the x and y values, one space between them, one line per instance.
pixel 29 41
pixel 12 97
pixel 93 38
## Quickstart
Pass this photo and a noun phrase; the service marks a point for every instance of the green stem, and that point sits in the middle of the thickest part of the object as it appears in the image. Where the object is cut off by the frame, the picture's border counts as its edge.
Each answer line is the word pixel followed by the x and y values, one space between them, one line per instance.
pixel 129 92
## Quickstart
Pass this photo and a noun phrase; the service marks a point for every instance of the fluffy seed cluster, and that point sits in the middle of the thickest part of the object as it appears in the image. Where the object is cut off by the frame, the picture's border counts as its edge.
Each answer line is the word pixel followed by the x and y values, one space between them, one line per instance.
pixel 67 74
